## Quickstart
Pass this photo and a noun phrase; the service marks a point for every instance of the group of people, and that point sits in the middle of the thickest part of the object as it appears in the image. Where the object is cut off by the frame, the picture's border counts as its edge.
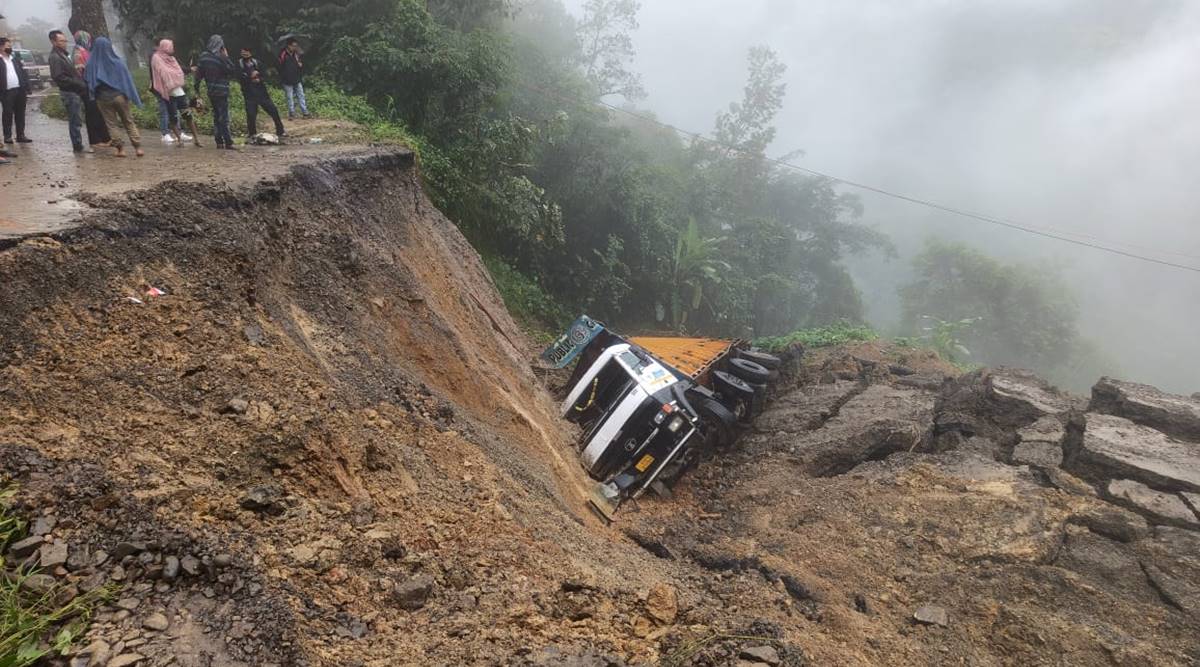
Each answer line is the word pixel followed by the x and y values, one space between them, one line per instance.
pixel 98 92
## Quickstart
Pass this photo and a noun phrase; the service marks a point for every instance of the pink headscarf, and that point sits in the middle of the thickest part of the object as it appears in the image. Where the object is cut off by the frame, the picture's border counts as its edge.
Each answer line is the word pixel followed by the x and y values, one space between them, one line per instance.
pixel 168 75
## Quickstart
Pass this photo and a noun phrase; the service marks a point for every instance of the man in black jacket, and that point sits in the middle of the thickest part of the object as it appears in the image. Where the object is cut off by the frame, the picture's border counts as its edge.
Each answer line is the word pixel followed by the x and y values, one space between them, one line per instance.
pixel 256 94
pixel 291 74
pixel 71 87
pixel 14 89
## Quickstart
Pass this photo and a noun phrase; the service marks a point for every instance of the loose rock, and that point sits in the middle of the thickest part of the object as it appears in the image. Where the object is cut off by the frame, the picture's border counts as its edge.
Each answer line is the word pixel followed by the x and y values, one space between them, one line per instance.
pixel 764 654
pixel 52 555
pixel 932 615
pixel 25 547
pixel 126 659
pixel 1178 416
pixel 156 621
pixel 1114 447
pixel 662 604
pixel 412 594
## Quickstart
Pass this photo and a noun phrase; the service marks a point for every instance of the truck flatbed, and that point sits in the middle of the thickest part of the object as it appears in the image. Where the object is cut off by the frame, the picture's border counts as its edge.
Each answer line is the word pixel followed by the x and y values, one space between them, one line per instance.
pixel 693 357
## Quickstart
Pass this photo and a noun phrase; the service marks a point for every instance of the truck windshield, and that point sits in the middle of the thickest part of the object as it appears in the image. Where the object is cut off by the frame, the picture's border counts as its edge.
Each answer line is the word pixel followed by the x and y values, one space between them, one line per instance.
pixel 611 385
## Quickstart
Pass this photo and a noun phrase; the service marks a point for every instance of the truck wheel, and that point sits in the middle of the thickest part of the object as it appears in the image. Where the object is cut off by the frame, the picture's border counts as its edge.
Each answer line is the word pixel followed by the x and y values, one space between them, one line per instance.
pixel 719 422
pixel 738 395
pixel 749 371
pixel 768 361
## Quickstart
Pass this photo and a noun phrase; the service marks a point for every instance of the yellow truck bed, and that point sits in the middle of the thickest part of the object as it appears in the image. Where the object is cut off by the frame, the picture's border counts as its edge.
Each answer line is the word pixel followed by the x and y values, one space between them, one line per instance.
pixel 693 356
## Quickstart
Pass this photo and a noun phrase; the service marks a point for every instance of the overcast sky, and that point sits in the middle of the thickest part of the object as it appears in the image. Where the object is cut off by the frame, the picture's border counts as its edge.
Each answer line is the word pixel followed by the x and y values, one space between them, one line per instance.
pixel 17 12
pixel 1077 115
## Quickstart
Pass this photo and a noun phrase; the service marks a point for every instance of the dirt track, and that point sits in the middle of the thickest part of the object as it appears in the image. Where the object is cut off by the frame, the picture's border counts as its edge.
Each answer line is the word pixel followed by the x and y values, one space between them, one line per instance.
pixel 332 413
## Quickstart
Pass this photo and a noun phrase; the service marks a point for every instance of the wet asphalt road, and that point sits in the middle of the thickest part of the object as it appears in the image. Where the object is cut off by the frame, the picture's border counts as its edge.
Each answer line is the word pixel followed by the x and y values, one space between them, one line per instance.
pixel 39 189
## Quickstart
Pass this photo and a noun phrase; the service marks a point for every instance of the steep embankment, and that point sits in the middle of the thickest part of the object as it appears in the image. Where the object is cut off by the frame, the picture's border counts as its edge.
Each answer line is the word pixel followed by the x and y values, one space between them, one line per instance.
pixel 323 445
pixel 330 397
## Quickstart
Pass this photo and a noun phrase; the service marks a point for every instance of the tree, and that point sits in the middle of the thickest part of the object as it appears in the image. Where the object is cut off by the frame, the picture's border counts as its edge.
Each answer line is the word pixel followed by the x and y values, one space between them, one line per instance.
pixel 88 15
pixel 34 33
pixel 606 47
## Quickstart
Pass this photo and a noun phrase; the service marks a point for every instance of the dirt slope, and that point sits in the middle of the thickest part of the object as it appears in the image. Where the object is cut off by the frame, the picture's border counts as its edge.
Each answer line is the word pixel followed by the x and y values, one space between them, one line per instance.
pixel 324 446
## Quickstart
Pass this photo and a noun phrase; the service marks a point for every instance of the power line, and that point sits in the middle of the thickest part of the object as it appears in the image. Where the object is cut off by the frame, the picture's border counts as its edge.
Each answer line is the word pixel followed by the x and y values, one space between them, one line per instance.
pixel 1046 233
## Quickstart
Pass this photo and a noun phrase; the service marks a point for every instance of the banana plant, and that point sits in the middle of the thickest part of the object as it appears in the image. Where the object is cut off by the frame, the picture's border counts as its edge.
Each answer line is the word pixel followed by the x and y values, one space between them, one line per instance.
pixel 694 265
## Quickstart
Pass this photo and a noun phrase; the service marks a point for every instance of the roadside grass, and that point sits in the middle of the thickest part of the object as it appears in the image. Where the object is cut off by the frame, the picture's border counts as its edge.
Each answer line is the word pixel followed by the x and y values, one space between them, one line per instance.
pixel 324 100
pixel 34 622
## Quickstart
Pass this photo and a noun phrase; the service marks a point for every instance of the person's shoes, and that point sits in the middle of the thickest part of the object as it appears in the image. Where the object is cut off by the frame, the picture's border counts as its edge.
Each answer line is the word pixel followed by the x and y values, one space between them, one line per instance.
pixel 4 160
pixel 78 148
pixel 184 136
pixel 4 153
pixel 8 140
pixel 168 139
pixel 24 140
pixel 307 115
pixel 281 134
pixel 291 117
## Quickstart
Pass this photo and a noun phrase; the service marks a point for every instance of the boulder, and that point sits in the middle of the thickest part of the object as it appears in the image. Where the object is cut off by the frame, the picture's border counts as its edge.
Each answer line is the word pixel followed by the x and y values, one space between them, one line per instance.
pixel 879 421
pixel 1161 507
pixel 1112 522
pixel 1040 443
pixel 1114 447
pixel 1171 560
pixel 762 654
pixel 1177 416
pixel 1024 398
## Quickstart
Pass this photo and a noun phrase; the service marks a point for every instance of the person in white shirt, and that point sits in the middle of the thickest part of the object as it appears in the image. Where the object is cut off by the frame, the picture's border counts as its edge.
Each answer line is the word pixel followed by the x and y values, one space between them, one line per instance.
pixel 14 90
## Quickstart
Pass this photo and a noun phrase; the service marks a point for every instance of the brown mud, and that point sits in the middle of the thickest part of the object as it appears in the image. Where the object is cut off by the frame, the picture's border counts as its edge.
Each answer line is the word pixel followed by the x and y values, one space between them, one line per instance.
pixel 324 445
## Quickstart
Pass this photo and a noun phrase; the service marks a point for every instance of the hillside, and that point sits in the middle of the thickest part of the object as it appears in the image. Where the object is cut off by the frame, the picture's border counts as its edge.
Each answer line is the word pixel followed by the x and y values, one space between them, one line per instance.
pixel 324 445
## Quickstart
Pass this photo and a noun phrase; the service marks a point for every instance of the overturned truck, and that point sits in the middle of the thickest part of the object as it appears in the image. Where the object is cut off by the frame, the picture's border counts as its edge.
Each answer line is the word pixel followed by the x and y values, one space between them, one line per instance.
pixel 650 407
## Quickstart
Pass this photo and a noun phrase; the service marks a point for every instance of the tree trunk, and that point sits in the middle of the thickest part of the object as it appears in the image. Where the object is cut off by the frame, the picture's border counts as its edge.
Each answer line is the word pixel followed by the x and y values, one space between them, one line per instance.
pixel 89 15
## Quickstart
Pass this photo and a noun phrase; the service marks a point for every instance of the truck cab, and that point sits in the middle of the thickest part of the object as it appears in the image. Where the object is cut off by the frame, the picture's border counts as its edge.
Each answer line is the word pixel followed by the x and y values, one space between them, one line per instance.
pixel 647 408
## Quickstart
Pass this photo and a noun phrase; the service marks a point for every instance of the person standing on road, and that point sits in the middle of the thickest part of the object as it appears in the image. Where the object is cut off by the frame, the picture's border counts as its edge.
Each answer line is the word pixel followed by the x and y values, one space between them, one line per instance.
pixel 256 94
pixel 291 73
pixel 14 91
pixel 215 68
pixel 71 87
pixel 112 85
pixel 97 131
pixel 168 84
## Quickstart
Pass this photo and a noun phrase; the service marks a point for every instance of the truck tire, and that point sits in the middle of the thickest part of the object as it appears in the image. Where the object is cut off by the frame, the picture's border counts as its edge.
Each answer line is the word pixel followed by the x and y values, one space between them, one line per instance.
pixel 749 371
pixel 768 361
pixel 719 422
pixel 738 394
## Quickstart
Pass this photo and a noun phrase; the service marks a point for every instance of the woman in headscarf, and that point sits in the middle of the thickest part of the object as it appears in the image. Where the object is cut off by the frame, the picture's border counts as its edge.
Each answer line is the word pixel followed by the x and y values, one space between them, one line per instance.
pixel 169 81
pixel 112 85
pixel 216 68
pixel 96 129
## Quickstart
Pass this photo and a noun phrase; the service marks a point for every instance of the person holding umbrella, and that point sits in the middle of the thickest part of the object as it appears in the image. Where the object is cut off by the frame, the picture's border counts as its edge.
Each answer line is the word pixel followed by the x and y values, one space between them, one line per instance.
pixel 256 94
pixel 291 73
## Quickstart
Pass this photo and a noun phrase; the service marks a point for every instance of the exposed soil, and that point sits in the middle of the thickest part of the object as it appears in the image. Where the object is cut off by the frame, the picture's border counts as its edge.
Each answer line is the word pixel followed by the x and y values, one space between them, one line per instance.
pixel 324 445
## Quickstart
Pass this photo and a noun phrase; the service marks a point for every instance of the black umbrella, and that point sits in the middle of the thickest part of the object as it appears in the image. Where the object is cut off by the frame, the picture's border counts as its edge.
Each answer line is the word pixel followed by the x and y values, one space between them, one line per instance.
pixel 303 39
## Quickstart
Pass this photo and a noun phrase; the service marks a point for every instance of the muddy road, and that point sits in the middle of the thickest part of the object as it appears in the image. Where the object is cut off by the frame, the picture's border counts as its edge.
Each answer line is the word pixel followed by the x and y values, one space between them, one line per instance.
pixel 323 444
pixel 45 189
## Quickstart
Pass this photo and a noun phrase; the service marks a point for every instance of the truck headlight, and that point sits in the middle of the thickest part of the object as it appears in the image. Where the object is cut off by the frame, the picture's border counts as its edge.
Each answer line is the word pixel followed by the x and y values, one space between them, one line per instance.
pixel 658 418
pixel 675 424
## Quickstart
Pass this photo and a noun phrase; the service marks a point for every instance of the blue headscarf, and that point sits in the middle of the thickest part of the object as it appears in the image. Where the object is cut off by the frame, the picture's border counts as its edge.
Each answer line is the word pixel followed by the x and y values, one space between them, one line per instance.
pixel 105 66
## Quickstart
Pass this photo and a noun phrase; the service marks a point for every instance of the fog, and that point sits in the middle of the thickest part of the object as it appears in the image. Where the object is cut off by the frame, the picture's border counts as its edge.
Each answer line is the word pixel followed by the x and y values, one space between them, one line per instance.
pixel 1080 116
pixel 16 12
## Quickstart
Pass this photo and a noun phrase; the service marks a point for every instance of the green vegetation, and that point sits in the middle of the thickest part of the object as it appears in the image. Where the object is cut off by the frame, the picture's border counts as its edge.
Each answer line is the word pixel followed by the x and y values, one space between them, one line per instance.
pixel 837 334
pixel 601 212
pixel 528 303
pixel 36 622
